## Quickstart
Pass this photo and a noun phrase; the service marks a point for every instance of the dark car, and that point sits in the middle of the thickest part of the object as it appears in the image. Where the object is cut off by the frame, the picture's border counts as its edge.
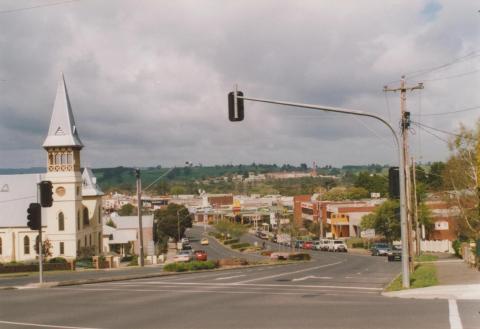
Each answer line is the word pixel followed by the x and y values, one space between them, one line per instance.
pixel 395 254
pixel 299 244
pixel 200 255
pixel 380 249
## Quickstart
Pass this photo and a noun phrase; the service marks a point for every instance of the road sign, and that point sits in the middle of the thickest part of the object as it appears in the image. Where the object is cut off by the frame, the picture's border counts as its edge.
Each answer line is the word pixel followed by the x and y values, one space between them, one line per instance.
pixel 368 233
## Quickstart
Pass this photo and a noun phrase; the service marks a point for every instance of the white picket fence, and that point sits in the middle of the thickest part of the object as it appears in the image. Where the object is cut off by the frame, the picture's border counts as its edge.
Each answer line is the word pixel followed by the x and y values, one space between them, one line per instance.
pixel 437 246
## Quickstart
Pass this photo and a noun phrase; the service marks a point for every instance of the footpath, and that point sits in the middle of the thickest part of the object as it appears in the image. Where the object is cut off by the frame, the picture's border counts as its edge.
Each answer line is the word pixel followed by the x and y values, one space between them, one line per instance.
pixel 14 280
pixel 456 280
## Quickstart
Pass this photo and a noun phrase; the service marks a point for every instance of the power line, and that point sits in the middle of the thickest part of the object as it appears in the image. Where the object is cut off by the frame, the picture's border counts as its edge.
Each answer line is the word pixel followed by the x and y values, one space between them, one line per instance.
pixel 450 112
pixel 469 56
pixel 18 199
pixel 434 135
pixel 8 11
pixel 452 76
pixel 436 129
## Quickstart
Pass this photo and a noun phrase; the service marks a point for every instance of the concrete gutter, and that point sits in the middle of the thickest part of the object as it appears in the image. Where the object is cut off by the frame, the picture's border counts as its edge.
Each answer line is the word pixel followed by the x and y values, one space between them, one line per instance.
pixel 461 291
pixel 135 276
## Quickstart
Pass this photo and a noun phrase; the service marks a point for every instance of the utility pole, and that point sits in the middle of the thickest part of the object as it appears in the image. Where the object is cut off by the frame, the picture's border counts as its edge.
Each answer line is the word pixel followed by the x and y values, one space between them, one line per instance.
pixel 417 225
pixel 139 207
pixel 405 125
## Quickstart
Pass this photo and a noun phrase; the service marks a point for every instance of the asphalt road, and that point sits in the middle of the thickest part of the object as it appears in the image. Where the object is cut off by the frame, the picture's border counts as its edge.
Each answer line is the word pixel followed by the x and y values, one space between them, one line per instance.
pixel 332 291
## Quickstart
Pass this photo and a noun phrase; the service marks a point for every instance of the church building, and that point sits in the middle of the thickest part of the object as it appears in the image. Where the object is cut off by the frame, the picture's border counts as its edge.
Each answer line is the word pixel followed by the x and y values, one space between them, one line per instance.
pixel 73 225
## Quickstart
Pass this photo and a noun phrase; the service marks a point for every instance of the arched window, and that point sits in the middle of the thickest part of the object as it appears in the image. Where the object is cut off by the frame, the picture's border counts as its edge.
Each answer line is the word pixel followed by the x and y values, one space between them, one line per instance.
pixel 1 246
pixel 85 217
pixel 61 222
pixel 58 158
pixel 90 240
pixel 62 248
pixel 85 240
pixel 64 158
pixel 26 245
pixel 78 221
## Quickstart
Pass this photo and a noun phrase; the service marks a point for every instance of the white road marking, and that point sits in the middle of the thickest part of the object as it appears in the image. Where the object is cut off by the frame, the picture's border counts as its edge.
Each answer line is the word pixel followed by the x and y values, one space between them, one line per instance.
pixel 205 284
pixel 454 316
pixel 42 325
pixel 205 291
pixel 312 277
pixel 230 277
pixel 287 273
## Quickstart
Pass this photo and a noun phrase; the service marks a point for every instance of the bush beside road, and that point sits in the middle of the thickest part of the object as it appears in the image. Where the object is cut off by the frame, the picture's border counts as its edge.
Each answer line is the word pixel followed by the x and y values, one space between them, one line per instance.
pixel 424 275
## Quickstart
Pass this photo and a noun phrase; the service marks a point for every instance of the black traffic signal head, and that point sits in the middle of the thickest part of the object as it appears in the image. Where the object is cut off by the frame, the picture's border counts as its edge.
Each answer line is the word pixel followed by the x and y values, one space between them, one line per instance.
pixel 46 193
pixel 394 183
pixel 34 216
pixel 235 106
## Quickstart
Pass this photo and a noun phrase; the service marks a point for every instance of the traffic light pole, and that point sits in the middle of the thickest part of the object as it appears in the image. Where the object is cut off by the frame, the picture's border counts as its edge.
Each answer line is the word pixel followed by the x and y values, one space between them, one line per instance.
pixel 40 246
pixel 403 209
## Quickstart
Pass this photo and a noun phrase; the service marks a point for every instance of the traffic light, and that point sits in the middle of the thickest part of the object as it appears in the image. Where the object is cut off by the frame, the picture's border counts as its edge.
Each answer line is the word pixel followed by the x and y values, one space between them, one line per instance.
pixel 235 106
pixel 46 194
pixel 34 216
pixel 394 183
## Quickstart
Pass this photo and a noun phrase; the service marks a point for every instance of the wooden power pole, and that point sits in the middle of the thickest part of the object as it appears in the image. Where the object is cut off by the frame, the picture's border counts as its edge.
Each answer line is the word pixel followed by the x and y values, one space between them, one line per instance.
pixel 405 125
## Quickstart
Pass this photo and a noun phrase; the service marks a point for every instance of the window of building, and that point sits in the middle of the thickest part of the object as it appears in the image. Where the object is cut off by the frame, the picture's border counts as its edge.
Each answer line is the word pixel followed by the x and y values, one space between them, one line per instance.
pixel 99 242
pixel 90 240
pixel 61 222
pixel 26 245
pixel 1 246
pixel 78 221
pixel 37 244
pixel 58 158
pixel 62 248
pixel 86 220
pixel 69 158
pixel 78 245
pixel 85 240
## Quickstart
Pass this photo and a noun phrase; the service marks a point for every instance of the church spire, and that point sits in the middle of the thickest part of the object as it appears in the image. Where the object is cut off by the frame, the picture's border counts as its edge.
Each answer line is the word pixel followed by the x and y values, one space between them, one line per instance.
pixel 62 131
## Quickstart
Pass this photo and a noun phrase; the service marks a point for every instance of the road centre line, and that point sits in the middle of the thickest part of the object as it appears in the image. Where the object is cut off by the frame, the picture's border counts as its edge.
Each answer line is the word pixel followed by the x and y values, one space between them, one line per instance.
pixel 230 277
pixel 206 291
pixel 453 315
pixel 42 325
pixel 288 273
pixel 266 285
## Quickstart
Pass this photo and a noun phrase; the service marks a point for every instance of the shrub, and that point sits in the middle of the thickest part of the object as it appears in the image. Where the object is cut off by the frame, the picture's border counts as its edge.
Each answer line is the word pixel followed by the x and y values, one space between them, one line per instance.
pixel 232 261
pixel 58 260
pixel 456 245
pixel 299 257
pixel 133 261
pixel 240 245
pixel 266 253
pixel 190 266
pixel 231 241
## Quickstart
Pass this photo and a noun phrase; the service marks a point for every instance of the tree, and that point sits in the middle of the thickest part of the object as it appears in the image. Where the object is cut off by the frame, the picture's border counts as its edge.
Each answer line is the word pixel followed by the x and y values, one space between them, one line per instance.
pixel 385 220
pixel 228 228
pixel 172 222
pixel 111 223
pixel 435 176
pixel 373 183
pixel 127 210
pixel 46 248
pixel 461 176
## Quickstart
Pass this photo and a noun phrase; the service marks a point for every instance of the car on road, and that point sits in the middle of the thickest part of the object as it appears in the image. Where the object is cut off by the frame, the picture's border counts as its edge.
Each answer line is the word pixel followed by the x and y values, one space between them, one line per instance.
pixel 200 255
pixel 324 244
pixel 204 242
pixel 299 244
pixel 184 256
pixel 185 240
pixel 380 249
pixel 394 254
pixel 337 246
pixel 316 245
pixel 308 245
pixel 187 247
pixel 263 236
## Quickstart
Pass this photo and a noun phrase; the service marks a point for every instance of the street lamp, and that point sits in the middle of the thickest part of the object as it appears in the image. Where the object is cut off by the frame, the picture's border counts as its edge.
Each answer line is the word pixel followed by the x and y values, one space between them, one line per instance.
pixel 236 113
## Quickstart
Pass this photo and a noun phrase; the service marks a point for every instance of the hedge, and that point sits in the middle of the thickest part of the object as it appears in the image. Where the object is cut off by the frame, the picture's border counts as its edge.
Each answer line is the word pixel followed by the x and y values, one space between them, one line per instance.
pixel 190 266
pixel 231 241
pixel 299 257
pixel 240 245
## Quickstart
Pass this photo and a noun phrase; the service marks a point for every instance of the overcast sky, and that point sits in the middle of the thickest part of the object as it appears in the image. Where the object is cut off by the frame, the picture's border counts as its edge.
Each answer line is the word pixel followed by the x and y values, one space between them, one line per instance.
pixel 148 80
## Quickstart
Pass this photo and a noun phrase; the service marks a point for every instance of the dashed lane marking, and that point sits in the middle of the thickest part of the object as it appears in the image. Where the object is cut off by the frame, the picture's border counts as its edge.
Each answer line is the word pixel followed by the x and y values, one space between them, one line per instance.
pixel 39 325
pixel 230 277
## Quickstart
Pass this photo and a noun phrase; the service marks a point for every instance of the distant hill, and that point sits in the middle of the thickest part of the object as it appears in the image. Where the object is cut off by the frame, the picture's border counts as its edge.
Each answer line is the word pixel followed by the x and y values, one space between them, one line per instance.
pixel 16 171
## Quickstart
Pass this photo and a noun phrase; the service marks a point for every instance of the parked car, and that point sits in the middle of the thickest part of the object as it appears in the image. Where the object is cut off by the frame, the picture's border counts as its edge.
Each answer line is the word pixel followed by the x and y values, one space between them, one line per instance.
pixel 263 236
pixel 204 242
pixel 324 244
pixel 299 244
pixel 308 245
pixel 395 253
pixel 380 249
pixel 316 245
pixel 200 255
pixel 187 247
pixel 183 256
pixel 185 240
pixel 337 246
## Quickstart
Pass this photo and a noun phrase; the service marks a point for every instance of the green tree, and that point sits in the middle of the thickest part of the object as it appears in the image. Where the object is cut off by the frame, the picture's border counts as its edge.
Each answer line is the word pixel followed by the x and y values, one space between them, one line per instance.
pixel 373 183
pixel 385 220
pixel 229 228
pixel 435 176
pixel 127 210
pixel 171 221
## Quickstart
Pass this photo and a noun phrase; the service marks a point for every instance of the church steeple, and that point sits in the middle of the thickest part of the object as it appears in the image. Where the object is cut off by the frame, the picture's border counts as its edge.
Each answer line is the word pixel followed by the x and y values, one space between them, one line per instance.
pixel 62 131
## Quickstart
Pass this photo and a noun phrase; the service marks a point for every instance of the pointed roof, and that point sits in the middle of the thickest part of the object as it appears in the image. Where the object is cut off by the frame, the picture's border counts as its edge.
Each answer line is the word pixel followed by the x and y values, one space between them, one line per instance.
pixel 90 187
pixel 62 131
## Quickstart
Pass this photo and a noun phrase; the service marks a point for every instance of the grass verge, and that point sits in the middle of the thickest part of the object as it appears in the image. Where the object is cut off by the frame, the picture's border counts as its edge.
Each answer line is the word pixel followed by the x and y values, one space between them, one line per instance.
pixel 426 258
pixel 425 275
pixel 190 266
